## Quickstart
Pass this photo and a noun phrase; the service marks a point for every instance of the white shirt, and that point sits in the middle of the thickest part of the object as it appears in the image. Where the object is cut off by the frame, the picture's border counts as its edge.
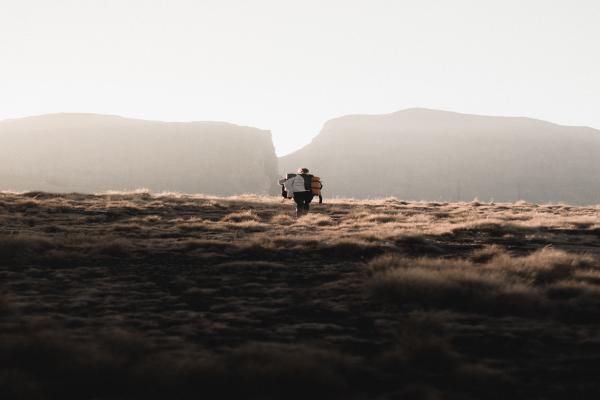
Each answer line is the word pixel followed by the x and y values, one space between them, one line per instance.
pixel 298 184
pixel 294 184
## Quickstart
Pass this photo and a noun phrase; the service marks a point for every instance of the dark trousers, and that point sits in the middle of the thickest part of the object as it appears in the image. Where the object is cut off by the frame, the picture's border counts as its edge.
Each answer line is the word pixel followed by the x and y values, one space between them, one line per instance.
pixel 302 200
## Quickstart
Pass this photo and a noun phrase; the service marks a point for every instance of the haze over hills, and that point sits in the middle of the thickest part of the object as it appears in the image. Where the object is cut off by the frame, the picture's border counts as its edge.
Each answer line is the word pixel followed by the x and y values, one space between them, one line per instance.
pixel 92 153
pixel 421 154
pixel 414 154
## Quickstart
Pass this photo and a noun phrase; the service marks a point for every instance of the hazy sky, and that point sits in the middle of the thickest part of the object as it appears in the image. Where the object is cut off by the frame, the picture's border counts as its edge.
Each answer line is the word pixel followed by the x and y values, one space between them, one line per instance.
pixel 288 66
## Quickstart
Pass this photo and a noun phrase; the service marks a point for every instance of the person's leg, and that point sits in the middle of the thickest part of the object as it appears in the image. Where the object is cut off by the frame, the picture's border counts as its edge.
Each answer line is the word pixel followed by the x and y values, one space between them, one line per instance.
pixel 299 204
pixel 308 199
pixel 305 201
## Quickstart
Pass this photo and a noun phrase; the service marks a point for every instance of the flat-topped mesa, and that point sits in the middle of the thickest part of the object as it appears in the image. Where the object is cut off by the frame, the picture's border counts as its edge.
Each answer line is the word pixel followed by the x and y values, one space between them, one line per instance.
pixel 93 153
pixel 421 154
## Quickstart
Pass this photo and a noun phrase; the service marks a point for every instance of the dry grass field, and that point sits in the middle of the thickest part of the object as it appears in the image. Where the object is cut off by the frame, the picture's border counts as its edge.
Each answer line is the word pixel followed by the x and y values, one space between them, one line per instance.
pixel 150 296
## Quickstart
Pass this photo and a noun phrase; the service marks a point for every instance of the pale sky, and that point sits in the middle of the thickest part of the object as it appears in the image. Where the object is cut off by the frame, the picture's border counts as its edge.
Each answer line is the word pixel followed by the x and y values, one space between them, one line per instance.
pixel 288 66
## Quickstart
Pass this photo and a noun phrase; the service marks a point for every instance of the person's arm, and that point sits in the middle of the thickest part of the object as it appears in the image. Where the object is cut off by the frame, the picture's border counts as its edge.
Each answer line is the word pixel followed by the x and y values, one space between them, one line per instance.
pixel 320 194
pixel 289 185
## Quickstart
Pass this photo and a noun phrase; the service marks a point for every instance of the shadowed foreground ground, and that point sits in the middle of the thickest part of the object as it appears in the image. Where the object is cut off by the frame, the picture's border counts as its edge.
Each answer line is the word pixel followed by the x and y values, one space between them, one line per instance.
pixel 163 296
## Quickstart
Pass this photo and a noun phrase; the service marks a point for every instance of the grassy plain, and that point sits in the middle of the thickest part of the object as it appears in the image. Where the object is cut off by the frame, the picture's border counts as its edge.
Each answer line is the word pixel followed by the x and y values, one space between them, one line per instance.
pixel 139 295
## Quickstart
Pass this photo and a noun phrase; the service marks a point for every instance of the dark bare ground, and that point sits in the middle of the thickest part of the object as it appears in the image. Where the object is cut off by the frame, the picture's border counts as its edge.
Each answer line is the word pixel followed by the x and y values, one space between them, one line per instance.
pixel 141 296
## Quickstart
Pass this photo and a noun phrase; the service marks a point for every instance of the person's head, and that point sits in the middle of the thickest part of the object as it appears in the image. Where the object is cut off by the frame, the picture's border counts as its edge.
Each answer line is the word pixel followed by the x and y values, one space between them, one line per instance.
pixel 303 170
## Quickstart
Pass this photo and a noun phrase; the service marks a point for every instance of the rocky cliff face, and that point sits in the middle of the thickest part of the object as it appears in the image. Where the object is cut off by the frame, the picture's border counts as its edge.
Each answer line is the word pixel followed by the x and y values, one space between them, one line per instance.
pixel 420 154
pixel 92 153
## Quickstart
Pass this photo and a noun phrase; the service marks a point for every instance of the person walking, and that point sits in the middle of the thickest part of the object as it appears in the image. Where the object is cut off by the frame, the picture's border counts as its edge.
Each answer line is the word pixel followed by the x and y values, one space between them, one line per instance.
pixel 299 186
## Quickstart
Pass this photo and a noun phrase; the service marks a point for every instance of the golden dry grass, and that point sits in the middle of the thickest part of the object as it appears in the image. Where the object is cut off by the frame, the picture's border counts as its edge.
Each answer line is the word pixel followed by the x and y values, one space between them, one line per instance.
pixel 142 295
pixel 547 283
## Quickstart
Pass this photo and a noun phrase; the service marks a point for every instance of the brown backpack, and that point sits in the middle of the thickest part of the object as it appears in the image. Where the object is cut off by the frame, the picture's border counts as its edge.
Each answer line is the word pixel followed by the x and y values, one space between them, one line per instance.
pixel 316 186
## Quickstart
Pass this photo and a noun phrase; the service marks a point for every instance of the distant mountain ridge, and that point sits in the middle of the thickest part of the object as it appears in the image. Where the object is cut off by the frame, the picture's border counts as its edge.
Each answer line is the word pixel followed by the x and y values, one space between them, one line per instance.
pixel 90 153
pixel 422 154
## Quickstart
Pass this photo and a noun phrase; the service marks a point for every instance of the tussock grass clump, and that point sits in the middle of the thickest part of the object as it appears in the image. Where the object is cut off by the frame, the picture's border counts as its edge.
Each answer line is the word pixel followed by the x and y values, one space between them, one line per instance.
pixel 50 367
pixel 283 219
pixel 247 226
pixel 197 225
pixel 487 253
pixel 543 266
pixel 292 371
pixel 112 247
pixel 491 281
pixel 350 249
pixel 589 276
pixel 241 216
pixel 495 227
pixel 357 214
pixel 382 218
pixel 22 246
pixel 315 219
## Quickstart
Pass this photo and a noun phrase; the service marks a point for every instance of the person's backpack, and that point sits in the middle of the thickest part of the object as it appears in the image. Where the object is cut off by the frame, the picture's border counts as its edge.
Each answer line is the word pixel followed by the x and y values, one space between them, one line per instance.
pixel 316 185
pixel 311 183
pixel 307 180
